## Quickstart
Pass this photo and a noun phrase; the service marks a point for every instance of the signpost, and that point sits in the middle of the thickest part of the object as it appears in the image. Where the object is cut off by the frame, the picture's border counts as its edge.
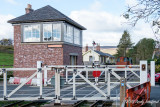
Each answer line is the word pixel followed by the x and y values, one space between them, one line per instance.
pixel 96 74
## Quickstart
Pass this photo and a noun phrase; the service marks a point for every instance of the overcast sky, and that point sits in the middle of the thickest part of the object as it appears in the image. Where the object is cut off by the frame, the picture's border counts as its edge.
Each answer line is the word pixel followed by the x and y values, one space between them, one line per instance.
pixel 102 18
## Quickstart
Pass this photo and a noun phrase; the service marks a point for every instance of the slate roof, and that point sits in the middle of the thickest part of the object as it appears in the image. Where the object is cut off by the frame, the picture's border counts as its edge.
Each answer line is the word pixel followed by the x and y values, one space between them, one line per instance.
pixel 44 14
pixel 103 54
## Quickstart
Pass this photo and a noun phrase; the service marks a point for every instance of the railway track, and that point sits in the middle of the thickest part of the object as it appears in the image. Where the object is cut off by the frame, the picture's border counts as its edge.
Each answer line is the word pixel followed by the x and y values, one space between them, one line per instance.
pixel 98 103
pixel 25 104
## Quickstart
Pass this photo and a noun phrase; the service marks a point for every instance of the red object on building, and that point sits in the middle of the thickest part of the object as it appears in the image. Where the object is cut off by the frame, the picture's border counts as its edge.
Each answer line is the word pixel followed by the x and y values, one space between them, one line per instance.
pixel 96 73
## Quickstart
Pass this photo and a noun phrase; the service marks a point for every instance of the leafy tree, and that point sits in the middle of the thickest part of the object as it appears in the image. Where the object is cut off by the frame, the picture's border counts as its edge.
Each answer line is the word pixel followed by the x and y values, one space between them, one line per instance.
pixel 143 50
pixel 124 44
pixel 6 42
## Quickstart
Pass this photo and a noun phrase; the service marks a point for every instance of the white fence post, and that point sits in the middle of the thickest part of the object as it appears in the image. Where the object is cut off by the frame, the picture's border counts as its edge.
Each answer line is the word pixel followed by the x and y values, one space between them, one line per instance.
pixel 66 74
pixel 143 72
pixel 39 65
pixel 45 76
pixel 125 73
pixel 108 83
pixel 74 84
pixel 4 84
pixel 105 75
pixel 152 72
pixel 57 86
pixel 86 72
pixel 41 83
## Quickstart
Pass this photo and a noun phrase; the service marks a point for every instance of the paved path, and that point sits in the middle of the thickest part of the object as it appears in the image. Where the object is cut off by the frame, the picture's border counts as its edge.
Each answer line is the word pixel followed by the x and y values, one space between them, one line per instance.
pixel 155 93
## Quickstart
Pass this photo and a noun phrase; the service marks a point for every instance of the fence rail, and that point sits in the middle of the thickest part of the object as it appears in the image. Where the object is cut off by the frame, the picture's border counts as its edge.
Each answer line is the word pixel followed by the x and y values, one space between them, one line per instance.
pixel 77 79
pixel 77 83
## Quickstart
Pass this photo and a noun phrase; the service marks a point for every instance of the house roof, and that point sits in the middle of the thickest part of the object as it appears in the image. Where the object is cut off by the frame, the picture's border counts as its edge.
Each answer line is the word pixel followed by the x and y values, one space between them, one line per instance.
pixel 103 54
pixel 45 14
pixel 100 53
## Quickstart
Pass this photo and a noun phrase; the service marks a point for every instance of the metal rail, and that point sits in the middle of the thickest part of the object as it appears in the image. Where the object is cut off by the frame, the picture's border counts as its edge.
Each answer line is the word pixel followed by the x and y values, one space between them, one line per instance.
pixel 96 103
pixel 13 104
pixel 79 103
pixel 35 103
pixel 101 103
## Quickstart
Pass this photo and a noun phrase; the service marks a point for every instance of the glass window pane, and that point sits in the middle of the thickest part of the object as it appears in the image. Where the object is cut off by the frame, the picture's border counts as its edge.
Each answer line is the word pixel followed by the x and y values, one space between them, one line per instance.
pixel 35 33
pixel 56 32
pixel 76 36
pixel 31 33
pixel 68 36
pixel 27 33
pixel 47 32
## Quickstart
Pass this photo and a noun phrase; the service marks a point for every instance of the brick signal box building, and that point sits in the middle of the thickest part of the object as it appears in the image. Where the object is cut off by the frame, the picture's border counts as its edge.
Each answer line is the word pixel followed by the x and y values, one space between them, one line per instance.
pixel 46 35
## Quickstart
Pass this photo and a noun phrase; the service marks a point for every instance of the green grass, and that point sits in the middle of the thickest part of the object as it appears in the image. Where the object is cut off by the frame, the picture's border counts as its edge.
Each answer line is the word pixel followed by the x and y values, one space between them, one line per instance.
pixel 6 59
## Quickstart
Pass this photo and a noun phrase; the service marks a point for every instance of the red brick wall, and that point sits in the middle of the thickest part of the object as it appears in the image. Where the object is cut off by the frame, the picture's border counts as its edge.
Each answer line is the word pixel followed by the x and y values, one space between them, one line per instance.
pixel 67 49
pixel 27 55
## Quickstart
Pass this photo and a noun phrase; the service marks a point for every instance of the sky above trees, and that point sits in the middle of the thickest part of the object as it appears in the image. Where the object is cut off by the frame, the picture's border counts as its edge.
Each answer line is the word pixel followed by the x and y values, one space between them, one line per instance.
pixel 102 18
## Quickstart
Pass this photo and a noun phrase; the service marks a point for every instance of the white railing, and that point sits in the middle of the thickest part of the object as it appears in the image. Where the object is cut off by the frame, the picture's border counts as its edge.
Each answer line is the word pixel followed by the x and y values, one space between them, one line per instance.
pixel 74 77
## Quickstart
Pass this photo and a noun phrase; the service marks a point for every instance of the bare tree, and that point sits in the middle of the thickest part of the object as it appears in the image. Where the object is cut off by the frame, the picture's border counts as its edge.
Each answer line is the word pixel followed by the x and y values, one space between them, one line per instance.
pixel 149 10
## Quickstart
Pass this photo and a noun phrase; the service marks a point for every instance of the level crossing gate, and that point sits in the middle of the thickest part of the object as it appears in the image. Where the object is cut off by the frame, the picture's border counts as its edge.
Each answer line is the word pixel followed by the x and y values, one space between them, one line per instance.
pixel 79 83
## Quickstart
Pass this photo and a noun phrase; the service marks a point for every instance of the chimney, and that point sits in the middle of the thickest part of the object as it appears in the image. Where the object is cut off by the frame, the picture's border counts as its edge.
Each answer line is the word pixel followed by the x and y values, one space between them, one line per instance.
pixel 98 47
pixel 29 9
pixel 86 48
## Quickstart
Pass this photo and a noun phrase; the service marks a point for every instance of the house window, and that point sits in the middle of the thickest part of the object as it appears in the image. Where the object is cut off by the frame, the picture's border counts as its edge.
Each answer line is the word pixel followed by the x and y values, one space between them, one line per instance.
pixel 73 60
pixel 31 33
pixel 51 32
pixel 56 32
pixel 90 59
pixel 68 33
pixel 47 32
pixel 76 36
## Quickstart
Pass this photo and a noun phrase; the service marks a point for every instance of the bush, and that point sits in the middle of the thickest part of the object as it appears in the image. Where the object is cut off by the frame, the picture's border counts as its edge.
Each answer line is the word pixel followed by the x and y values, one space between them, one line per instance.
pixel 9 74
pixel 157 68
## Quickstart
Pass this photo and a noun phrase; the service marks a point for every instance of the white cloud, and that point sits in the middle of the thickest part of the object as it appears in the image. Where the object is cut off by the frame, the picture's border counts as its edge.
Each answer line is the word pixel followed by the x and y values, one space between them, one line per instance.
pixel 106 28
pixel 140 31
pixel 11 1
pixel 131 2
pixel 101 26
pixel 6 29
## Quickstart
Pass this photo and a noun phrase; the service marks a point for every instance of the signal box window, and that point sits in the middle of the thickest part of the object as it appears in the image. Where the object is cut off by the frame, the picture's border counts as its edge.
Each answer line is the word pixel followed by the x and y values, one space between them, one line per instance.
pixel 73 60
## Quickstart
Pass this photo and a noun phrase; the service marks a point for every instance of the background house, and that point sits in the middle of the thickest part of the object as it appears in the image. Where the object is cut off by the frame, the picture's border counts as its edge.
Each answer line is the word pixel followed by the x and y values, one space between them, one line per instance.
pixel 99 57
pixel 46 35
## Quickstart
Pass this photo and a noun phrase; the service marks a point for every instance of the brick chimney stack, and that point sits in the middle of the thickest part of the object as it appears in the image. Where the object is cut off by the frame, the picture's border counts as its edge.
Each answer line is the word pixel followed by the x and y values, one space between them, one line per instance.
pixel 86 48
pixel 29 9
pixel 98 47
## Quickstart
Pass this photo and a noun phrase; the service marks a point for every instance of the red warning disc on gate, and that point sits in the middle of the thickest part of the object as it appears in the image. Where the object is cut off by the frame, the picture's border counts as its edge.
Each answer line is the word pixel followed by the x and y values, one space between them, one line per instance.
pixel 96 73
